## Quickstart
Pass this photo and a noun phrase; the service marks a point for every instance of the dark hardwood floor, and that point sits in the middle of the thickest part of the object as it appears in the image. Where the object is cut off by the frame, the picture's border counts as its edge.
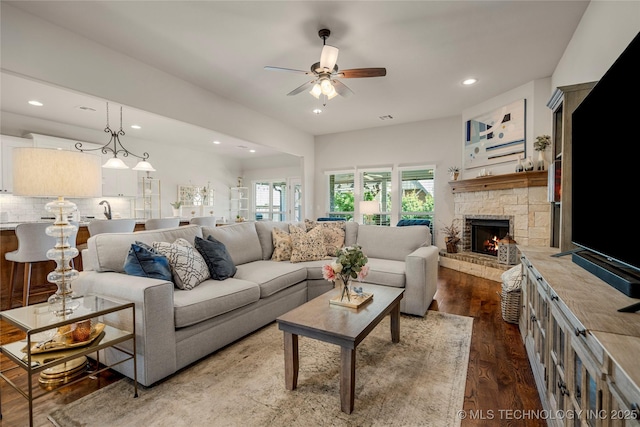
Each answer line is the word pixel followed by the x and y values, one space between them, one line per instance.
pixel 499 379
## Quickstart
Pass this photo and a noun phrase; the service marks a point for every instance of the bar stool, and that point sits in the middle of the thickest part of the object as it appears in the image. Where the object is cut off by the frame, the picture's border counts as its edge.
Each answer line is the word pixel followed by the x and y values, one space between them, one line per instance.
pixel 206 221
pixel 100 226
pixel 158 223
pixel 33 244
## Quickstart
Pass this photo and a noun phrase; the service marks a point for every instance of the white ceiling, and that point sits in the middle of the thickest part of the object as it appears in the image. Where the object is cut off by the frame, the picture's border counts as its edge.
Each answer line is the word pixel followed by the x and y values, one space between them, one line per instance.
pixel 427 47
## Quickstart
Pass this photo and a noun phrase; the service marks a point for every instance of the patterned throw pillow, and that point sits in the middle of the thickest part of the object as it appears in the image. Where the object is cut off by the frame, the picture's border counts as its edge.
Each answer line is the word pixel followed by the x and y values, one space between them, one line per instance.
pixel 306 246
pixel 282 246
pixel 333 233
pixel 188 267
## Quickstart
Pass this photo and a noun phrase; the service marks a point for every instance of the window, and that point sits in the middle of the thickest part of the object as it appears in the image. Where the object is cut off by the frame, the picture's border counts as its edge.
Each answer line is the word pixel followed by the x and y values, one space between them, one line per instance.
pixel 341 195
pixel 376 185
pixel 417 188
pixel 270 200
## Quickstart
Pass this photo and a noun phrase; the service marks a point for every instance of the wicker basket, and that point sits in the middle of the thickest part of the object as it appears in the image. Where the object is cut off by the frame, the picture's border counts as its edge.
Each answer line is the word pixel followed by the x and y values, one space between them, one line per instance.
pixel 510 304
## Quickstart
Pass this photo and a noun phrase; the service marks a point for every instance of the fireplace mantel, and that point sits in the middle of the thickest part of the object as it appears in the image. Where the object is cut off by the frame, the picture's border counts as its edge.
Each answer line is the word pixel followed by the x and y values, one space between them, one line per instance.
pixel 500 182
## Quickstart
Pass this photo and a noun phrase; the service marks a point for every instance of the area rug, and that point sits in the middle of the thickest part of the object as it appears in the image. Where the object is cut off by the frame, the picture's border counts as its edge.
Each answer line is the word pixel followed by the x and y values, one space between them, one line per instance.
pixel 417 382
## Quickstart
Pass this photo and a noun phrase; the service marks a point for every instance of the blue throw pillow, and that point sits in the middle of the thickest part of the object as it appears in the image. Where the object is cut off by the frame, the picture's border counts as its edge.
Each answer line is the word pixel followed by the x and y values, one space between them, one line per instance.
pixel 143 261
pixel 218 260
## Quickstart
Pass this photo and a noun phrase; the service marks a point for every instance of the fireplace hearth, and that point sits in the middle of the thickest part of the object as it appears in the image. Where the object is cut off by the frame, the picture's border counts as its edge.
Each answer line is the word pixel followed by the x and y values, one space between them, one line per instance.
pixel 485 235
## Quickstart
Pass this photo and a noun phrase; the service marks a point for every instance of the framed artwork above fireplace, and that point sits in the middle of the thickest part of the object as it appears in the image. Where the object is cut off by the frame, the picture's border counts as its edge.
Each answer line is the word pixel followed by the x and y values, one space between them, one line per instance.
pixel 495 137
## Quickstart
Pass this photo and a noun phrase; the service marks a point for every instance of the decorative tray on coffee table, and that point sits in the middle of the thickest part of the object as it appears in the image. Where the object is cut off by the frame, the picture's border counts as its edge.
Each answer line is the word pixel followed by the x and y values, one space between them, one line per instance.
pixel 356 300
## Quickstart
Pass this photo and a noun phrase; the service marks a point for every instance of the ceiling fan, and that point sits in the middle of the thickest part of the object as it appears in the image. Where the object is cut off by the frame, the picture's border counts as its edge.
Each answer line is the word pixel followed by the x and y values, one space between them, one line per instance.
pixel 324 73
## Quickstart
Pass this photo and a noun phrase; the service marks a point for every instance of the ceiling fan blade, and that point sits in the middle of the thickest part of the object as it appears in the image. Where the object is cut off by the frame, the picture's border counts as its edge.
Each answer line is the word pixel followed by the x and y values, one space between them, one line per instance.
pixel 342 89
pixel 301 88
pixel 362 72
pixel 289 70
pixel 329 57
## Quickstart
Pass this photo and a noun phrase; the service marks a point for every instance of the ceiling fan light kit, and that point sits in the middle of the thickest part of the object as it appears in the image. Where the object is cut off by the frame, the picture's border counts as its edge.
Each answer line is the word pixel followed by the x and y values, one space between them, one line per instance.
pixel 324 85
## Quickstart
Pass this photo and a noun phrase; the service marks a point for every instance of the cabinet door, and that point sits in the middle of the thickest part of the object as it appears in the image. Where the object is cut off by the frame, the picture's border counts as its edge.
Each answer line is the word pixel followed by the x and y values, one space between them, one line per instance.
pixel 119 182
pixel 7 144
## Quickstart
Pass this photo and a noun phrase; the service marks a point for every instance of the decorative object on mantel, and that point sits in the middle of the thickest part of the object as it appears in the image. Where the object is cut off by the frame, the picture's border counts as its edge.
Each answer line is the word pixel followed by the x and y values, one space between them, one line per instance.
pixel 454 172
pixel 528 164
pixel 177 208
pixel 507 251
pixel 351 263
pixel 41 172
pixel 115 162
pixel 540 144
pixel 519 165
pixel 452 237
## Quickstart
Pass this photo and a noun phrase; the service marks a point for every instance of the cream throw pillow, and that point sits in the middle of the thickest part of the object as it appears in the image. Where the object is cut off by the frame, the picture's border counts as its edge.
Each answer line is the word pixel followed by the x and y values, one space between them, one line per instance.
pixel 307 246
pixel 282 246
pixel 187 265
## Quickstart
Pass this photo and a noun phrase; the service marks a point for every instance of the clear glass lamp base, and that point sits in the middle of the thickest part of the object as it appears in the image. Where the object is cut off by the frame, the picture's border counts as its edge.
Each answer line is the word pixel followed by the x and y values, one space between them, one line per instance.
pixel 62 303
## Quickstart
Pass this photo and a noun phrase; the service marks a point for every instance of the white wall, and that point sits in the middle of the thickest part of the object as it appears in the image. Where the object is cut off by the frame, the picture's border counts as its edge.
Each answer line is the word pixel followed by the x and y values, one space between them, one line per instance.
pixel 37 49
pixel 606 28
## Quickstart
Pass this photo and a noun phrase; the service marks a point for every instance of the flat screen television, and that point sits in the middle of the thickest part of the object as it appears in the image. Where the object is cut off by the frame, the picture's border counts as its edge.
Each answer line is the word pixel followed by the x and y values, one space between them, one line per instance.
pixel 605 170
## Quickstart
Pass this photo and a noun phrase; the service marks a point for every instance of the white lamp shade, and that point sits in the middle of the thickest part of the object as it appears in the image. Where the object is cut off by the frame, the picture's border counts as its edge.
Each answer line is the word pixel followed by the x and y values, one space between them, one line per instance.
pixel 115 163
pixel 46 172
pixel 143 166
pixel 369 207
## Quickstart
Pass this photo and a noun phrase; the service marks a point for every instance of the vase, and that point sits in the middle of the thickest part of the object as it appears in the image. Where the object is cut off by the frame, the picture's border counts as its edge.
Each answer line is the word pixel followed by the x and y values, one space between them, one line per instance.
pixel 528 164
pixel 454 176
pixel 177 211
pixel 345 294
pixel 519 166
pixel 540 164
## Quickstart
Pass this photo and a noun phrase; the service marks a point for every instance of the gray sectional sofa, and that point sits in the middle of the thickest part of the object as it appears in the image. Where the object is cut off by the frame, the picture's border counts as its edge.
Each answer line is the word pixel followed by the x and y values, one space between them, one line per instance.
pixel 176 327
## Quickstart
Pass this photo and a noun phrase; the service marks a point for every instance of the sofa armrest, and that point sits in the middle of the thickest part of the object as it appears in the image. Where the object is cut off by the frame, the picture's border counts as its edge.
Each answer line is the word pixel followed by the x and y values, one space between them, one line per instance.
pixel 155 328
pixel 421 269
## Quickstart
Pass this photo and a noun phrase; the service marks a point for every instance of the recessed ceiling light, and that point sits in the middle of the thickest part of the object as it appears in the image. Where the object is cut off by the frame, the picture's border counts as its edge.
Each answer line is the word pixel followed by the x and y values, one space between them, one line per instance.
pixel 317 111
pixel 469 81
pixel 36 103
pixel 136 127
pixel 252 151
pixel 216 142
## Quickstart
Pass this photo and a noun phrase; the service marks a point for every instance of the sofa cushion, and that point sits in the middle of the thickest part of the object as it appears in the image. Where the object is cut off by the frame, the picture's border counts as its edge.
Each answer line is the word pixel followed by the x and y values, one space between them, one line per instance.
pixel 265 235
pixel 282 246
pixel 240 239
pixel 314 268
pixel 351 233
pixel 109 250
pixel 212 298
pixel 392 242
pixel 333 233
pixel 272 276
pixel 306 246
pixel 187 265
pixel 386 272
pixel 216 257
pixel 144 261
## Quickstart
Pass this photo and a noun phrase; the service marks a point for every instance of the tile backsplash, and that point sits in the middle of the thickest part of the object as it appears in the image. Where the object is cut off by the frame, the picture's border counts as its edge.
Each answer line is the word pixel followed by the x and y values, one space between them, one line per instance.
pixel 20 209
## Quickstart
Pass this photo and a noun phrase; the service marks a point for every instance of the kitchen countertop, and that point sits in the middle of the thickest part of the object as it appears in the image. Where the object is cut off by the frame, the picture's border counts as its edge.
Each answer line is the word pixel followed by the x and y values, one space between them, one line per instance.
pixel 12 225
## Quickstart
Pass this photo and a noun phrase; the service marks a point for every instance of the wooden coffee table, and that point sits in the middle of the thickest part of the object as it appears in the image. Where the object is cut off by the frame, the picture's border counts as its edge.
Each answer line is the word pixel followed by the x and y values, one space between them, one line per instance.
pixel 343 326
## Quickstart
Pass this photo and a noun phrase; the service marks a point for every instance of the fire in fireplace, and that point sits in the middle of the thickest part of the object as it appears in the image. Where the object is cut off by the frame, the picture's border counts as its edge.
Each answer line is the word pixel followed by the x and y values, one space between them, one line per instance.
pixel 485 234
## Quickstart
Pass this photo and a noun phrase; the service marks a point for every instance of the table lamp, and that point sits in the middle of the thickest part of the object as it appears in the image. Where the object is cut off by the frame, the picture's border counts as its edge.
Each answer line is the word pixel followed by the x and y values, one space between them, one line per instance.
pixel 368 208
pixel 42 172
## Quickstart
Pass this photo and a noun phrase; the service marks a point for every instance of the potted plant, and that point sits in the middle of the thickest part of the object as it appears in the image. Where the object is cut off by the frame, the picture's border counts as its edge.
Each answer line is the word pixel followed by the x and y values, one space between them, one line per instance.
pixel 177 208
pixel 451 237
pixel 540 144
pixel 454 171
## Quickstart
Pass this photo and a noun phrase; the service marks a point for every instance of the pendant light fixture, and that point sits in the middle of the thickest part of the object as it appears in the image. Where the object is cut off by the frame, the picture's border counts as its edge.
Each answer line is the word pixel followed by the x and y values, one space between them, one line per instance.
pixel 115 162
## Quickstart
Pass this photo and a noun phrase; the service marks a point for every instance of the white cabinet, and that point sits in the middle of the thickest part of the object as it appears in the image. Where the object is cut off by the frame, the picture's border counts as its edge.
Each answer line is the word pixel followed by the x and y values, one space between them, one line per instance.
pixel 7 144
pixel 119 182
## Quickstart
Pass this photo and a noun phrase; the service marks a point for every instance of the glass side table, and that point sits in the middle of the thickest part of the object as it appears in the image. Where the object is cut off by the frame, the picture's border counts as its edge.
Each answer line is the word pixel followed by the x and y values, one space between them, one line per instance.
pixel 114 319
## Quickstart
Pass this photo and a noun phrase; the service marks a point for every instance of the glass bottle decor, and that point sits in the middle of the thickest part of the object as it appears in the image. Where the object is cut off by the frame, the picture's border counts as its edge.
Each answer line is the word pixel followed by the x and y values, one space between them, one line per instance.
pixel 519 167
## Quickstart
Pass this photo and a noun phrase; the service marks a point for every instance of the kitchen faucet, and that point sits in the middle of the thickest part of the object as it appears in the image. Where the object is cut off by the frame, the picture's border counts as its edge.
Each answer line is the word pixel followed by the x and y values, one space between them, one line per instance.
pixel 107 209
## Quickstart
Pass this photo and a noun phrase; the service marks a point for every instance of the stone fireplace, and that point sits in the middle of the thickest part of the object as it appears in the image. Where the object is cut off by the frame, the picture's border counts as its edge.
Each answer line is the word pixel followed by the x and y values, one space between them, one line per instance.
pixel 516 203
